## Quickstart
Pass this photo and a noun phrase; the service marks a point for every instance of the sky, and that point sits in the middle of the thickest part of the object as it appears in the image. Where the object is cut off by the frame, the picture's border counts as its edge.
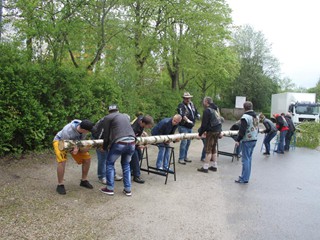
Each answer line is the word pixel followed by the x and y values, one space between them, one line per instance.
pixel 292 27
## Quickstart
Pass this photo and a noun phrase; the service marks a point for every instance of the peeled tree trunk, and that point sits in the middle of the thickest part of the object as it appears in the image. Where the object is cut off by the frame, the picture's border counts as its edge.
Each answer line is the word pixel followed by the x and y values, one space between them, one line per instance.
pixel 86 144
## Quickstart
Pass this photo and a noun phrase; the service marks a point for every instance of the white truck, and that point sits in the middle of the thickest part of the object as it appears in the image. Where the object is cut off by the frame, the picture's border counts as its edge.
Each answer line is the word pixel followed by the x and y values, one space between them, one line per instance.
pixel 303 106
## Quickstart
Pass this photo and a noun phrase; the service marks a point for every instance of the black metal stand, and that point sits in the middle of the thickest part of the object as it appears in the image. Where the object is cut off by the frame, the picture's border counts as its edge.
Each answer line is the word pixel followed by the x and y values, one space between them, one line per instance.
pixel 154 170
pixel 233 154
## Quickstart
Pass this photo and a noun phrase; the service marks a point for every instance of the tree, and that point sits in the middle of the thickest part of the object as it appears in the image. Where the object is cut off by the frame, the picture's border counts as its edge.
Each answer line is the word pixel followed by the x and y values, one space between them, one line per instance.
pixel 191 31
pixel 259 70
pixel 316 90
pixel 286 85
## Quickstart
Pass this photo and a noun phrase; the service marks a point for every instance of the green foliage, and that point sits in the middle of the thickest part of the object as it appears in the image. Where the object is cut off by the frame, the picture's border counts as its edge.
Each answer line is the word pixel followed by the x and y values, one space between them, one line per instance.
pixel 74 58
pixel 308 135
pixel 259 71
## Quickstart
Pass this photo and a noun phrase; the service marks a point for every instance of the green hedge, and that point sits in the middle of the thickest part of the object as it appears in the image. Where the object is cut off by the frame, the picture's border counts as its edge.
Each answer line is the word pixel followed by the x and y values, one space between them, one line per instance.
pixel 38 99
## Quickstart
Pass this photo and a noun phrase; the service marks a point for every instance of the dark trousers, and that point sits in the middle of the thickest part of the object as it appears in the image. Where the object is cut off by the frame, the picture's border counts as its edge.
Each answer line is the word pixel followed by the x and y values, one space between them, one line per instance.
pixel 135 162
pixel 288 140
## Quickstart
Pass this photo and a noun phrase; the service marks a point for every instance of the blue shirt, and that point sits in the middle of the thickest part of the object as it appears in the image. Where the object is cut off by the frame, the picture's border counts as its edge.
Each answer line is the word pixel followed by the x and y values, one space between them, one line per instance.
pixel 164 127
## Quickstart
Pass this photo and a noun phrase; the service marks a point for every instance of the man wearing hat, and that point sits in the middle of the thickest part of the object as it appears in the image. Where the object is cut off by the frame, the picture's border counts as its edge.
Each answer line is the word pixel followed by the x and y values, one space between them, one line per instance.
pixel 118 140
pixel 75 130
pixel 189 114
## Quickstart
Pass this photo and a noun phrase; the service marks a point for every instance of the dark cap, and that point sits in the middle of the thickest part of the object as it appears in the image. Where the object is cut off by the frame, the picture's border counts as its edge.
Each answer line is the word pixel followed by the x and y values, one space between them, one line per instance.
pixel 112 108
pixel 86 125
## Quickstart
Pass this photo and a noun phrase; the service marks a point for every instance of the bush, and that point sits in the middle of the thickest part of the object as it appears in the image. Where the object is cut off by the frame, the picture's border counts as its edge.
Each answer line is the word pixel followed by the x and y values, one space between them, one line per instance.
pixel 308 135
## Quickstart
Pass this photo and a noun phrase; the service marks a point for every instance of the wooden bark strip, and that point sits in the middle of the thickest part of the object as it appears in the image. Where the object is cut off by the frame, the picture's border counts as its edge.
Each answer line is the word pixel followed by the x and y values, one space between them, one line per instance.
pixel 70 144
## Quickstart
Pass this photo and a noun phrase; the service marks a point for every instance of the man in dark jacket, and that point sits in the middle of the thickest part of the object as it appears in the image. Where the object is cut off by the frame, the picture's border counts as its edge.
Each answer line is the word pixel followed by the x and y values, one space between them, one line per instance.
pixel 248 135
pixel 210 129
pixel 119 140
pixel 282 126
pixel 270 131
pixel 138 127
pixel 189 113
pixel 290 132
pixel 164 127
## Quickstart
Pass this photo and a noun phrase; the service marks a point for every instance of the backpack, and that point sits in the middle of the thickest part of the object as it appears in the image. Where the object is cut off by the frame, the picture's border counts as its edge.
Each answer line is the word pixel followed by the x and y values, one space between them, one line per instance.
pixel 215 118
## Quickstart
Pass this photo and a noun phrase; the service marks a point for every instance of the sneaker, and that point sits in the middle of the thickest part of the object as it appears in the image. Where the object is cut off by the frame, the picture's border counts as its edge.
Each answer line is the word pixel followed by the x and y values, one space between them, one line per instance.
pixel 127 193
pixel 103 181
pixel 266 153
pixel 182 162
pixel 203 170
pixel 138 180
pixel 107 191
pixel 161 171
pixel 61 190
pixel 240 181
pixel 187 160
pixel 170 170
pixel 86 184
pixel 212 168
pixel 117 177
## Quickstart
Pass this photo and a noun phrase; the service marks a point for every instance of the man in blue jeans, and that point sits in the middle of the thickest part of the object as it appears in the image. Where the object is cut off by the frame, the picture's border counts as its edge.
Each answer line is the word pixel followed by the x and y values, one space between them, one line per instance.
pixel 97 133
pixel 189 115
pixel 270 131
pixel 164 127
pixel 118 140
pixel 248 135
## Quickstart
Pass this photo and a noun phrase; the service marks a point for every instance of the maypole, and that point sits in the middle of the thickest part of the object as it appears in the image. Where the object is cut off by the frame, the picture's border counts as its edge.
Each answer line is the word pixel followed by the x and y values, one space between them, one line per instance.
pixel 70 144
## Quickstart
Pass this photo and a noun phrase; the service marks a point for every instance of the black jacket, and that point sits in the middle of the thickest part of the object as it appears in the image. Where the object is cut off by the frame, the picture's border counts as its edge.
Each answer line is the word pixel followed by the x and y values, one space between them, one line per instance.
pixel 206 119
pixel 291 126
pixel 191 114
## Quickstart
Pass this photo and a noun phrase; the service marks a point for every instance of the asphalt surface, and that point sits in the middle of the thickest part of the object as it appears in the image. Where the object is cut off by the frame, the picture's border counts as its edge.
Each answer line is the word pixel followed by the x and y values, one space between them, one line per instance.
pixel 281 201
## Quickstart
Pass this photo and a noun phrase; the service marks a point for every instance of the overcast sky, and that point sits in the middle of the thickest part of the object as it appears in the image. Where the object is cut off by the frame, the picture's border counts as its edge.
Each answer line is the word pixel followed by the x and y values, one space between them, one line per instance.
pixel 293 29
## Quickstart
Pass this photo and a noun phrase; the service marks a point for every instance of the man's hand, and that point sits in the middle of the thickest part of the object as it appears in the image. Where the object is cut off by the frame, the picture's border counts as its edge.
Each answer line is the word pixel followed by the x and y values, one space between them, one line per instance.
pixel 221 135
pixel 237 144
pixel 85 149
pixel 75 150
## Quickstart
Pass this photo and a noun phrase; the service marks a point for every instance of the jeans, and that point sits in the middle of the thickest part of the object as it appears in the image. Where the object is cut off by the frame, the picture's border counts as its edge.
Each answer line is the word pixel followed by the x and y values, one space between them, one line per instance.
pixel 268 139
pixel 125 151
pixel 102 165
pixel 163 156
pixel 281 141
pixel 288 140
pixel 203 153
pixel 238 149
pixel 247 150
pixel 184 145
pixel 135 162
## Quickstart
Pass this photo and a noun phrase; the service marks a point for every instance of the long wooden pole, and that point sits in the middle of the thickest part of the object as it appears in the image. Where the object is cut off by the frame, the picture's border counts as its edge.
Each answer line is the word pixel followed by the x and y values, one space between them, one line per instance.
pixel 70 144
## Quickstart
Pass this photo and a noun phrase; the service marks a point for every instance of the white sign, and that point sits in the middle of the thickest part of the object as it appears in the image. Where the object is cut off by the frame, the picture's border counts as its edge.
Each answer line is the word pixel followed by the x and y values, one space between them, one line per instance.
pixel 240 101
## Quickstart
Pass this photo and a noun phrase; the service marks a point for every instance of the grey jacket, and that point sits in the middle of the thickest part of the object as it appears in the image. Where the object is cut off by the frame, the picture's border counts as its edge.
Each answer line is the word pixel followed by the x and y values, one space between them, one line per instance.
pixel 116 125
pixel 69 132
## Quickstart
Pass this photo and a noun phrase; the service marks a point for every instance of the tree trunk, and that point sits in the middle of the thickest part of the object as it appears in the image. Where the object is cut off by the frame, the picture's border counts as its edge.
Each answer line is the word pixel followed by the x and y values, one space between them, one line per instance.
pixel 70 144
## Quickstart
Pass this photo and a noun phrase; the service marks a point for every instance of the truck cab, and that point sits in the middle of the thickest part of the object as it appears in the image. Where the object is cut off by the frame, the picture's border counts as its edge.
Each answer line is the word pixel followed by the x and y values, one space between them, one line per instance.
pixel 304 111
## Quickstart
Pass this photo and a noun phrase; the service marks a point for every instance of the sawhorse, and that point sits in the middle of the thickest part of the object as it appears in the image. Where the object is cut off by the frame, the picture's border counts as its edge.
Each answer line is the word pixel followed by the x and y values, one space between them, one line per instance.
pixel 233 154
pixel 154 170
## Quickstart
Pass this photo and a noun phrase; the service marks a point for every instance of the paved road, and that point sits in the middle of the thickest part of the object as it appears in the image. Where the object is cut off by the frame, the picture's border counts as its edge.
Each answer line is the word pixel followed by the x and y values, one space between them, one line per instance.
pixel 280 202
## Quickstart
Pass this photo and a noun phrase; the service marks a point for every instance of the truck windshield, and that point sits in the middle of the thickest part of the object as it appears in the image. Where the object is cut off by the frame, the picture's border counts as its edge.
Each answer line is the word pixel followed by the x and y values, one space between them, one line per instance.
pixel 307 109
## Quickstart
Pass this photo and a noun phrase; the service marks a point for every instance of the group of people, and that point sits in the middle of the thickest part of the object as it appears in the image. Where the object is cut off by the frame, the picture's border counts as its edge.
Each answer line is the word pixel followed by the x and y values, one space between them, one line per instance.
pixel 119 135
pixel 283 124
